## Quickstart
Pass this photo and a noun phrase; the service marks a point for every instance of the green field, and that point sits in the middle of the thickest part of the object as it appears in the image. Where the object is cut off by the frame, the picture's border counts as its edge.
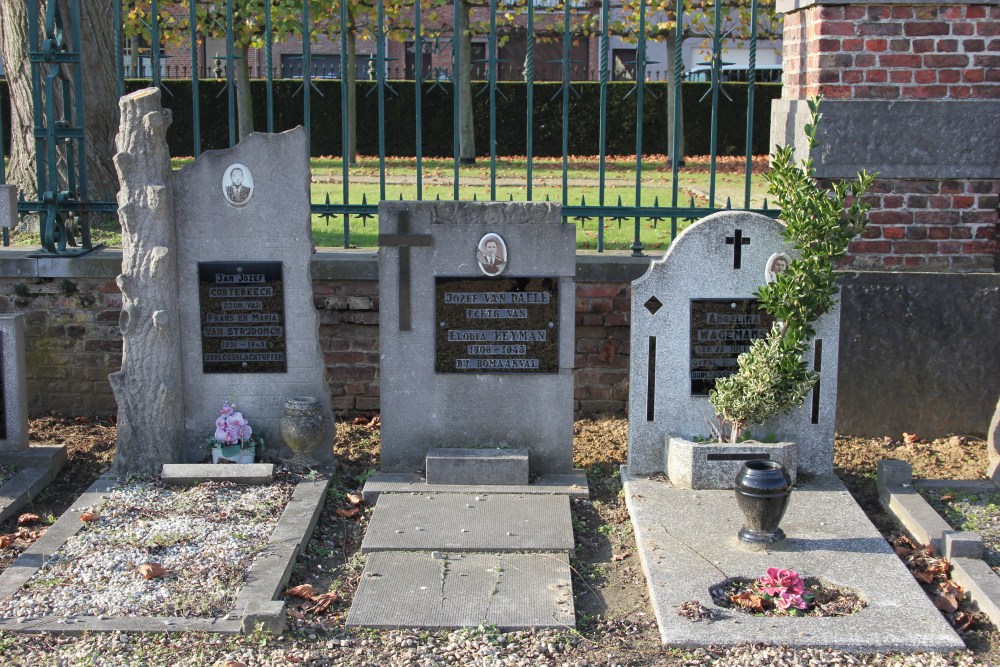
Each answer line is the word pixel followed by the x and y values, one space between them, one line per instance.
pixel 582 184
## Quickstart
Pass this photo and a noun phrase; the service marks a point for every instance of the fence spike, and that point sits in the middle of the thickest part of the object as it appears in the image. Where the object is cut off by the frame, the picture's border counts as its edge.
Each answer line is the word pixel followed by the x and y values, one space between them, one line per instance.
pixel 400 196
pixel 511 197
pixel 474 197
pixel 438 198
pixel 729 202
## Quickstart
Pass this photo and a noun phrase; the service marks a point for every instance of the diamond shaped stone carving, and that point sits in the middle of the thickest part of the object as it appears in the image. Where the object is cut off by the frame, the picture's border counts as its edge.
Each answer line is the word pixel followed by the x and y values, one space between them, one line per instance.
pixel 653 304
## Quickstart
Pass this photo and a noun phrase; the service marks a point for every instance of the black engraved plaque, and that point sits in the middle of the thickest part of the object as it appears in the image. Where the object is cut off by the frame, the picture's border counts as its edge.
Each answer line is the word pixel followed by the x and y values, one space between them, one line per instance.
pixel 721 330
pixel 242 317
pixel 491 325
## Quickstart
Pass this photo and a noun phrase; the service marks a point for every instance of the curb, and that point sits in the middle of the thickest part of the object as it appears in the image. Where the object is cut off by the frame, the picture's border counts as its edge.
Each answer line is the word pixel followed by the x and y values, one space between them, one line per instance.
pixel 37 467
pixel 963 549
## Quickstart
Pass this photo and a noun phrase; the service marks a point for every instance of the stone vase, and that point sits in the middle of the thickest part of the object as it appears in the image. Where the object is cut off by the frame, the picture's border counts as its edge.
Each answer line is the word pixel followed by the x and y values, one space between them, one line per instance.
pixel 763 489
pixel 302 427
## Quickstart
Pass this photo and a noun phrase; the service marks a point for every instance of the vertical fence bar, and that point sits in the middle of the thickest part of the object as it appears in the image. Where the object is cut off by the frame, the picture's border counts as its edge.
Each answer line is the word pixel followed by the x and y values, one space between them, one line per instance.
pixel 154 43
pixel 380 64
pixel 603 127
pixel 307 74
pixel 80 164
pixel 751 87
pixel 493 64
pixel 456 58
pixel 418 85
pixel 119 40
pixel 566 63
pixel 678 84
pixel 716 83
pixel 230 83
pixel 269 74
pixel 640 88
pixel 345 131
pixel 529 75
pixel 3 177
pixel 36 99
pixel 195 100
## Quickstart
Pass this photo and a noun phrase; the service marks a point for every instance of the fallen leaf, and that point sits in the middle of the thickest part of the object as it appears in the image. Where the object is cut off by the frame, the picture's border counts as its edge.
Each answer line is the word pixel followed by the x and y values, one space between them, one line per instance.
pixel 83 420
pixel 234 663
pixel 951 589
pixel 376 422
pixel 87 517
pixel 5 541
pixel 947 498
pixel 359 421
pixel 748 600
pixel 323 602
pixel 295 613
pixel 151 570
pixel 903 552
pixel 304 591
pixel 355 499
pixel 910 438
pixel 924 577
pixel 621 556
pixel 348 514
pixel 963 620
pixel 28 519
pixel 945 603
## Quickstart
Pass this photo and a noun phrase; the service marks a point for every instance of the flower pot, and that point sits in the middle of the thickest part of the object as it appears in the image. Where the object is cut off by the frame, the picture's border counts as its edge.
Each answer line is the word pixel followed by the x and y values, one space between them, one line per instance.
pixel 242 456
pixel 302 427
pixel 763 489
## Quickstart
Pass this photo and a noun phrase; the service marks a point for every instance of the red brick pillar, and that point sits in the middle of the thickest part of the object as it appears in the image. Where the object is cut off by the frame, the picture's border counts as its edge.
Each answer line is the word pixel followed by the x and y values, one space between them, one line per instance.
pixel 911 91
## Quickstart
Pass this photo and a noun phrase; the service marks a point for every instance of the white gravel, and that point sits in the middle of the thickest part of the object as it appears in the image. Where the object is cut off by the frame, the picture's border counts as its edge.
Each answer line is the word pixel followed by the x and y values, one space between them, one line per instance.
pixel 974 511
pixel 205 537
pixel 6 472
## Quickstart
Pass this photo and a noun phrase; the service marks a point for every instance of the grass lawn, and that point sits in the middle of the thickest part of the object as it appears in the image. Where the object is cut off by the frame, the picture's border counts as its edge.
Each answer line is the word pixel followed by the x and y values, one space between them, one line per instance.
pixel 582 184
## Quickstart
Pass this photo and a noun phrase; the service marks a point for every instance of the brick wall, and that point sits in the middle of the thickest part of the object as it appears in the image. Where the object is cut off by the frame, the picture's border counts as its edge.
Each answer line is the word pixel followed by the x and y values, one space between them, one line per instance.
pixel 932 55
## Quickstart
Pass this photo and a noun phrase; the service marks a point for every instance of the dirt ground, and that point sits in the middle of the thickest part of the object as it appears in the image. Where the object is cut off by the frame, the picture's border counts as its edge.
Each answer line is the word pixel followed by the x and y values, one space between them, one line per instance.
pixel 613 610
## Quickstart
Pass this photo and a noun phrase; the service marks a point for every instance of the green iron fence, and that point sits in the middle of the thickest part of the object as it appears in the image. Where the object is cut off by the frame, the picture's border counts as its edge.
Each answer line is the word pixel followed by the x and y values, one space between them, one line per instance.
pixel 55 52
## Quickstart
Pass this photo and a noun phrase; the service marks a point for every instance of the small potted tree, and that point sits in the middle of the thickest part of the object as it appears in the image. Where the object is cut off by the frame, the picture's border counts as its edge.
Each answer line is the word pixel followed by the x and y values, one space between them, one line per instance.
pixel 773 378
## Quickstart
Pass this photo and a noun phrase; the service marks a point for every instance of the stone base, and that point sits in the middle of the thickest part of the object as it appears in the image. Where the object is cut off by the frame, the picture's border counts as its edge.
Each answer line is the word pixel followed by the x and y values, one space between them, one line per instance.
pixel 477 466
pixel 195 473
pixel 713 465
pixel 37 466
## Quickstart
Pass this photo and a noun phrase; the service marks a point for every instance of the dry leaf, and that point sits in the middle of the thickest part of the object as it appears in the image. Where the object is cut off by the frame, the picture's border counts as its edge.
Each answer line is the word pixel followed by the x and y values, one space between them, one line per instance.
pixel 5 541
pixel 359 421
pixel 963 620
pixel 903 552
pixel 151 570
pixel 947 498
pixel 376 422
pixel 348 514
pixel 323 602
pixel 924 577
pixel 621 556
pixel 87 517
pixel 910 438
pixel 304 591
pixel 354 499
pixel 295 613
pixel 945 603
pixel 28 519
pixel 748 600
pixel 234 663
pixel 83 420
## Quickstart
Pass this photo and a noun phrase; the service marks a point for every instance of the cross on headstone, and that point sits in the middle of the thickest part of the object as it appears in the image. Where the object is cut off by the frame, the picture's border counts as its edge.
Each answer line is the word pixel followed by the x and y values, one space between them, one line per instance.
pixel 403 240
pixel 737 241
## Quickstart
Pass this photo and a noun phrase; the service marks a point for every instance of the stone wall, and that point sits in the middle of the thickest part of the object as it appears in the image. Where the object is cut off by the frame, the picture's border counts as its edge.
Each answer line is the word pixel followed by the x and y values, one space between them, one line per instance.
pixel 910 91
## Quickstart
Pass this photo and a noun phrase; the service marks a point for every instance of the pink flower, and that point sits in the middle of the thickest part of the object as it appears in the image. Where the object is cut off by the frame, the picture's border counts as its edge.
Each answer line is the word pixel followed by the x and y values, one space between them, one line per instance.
pixel 226 410
pixel 790 600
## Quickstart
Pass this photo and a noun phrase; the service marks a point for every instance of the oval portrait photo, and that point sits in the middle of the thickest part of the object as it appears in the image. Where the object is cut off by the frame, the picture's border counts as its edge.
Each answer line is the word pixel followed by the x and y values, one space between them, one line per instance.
pixel 776 263
pixel 491 253
pixel 237 184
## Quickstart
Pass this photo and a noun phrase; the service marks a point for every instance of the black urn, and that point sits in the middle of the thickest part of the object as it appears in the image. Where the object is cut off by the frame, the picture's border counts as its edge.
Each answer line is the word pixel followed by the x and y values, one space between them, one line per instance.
pixel 762 492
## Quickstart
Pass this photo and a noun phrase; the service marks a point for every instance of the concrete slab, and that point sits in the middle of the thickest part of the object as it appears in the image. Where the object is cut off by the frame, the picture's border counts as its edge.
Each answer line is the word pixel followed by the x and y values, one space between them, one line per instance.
pixel 455 465
pixel 255 604
pixel 36 467
pixel 510 591
pixel 193 473
pixel 687 543
pixel 465 522
pixel 573 484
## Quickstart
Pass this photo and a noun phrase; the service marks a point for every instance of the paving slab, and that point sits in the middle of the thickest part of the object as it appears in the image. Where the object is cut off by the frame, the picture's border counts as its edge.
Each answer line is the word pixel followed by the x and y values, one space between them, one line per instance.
pixel 687 543
pixel 571 484
pixel 36 467
pixel 193 473
pixel 454 590
pixel 467 522
pixel 255 605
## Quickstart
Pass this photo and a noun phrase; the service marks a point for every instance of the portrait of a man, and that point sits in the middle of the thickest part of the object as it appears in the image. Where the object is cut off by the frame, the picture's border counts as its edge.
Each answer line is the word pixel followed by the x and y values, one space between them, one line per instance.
pixel 237 184
pixel 776 263
pixel 491 254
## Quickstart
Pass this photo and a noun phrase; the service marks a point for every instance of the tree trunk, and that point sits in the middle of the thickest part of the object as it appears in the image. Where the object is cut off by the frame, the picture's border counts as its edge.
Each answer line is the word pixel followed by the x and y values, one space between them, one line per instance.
pixel 100 95
pixel 351 71
pixel 466 129
pixel 244 99
pixel 671 40
pixel 149 388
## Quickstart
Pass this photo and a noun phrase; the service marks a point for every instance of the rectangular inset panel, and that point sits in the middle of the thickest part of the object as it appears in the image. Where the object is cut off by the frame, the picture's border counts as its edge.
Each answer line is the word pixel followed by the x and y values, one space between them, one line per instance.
pixel 721 330
pixel 651 381
pixel 817 366
pixel 747 456
pixel 242 317
pixel 496 325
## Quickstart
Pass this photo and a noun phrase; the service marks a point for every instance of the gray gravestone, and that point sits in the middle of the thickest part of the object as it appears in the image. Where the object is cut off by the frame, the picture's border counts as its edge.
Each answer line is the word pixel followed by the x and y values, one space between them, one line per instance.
pixel 993 446
pixel 13 386
pixel 477 331
pixel 8 206
pixel 693 313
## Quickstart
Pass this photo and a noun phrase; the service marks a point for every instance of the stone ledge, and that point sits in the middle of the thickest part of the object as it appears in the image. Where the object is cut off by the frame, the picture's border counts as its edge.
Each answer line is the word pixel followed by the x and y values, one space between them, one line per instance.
pixel 573 484
pixel 37 466
pixel 477 466
pixel 789 6
pixel 193 473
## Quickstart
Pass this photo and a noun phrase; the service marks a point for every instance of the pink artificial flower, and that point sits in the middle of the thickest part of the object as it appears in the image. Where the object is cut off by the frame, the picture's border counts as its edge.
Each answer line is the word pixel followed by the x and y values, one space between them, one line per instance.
pixel 790 600
pixel 778 582
pixel 221 435
pixel 220 423
pixel 226 410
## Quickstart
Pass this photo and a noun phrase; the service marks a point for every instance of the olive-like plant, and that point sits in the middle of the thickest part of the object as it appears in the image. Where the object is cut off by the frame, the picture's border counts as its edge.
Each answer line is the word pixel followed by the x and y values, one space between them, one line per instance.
pixel 773 377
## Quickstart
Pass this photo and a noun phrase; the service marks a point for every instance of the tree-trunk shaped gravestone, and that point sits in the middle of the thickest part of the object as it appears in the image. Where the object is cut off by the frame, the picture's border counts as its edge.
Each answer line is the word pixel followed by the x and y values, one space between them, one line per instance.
pixel 149 387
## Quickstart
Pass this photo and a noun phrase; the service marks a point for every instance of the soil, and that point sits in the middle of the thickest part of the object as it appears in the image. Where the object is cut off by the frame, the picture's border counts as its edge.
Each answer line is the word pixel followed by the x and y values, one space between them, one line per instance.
pixel 614 618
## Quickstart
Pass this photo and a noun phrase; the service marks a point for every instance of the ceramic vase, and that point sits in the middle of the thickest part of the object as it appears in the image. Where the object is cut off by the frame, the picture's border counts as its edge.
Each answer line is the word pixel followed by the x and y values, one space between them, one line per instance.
pixel 763 489
pixel 302 427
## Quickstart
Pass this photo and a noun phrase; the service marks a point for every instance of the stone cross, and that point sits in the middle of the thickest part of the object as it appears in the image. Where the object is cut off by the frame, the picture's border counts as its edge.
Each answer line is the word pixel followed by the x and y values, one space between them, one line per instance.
pixel 404 241
pixel 737 241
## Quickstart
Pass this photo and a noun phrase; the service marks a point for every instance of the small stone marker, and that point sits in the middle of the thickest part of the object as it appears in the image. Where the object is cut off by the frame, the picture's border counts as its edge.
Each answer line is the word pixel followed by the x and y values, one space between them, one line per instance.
pixel 13 385
pixel 693 314
pixel 224 311
pixel 8 206
pixel 993 446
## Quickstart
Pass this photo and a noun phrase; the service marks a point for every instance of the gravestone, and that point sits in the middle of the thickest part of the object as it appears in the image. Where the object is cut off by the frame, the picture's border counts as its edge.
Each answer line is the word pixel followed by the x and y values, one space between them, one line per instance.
pixel 693 314
pixel 13 386
pixel 472 524
pixel 216 291
pixel 8 206
pixel 471 355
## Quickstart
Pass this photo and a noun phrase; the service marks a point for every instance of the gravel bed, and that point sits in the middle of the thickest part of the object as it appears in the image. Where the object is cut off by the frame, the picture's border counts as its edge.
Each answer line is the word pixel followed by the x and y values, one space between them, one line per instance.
pixel 6 472
pixel 970 510
pixel 205 537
